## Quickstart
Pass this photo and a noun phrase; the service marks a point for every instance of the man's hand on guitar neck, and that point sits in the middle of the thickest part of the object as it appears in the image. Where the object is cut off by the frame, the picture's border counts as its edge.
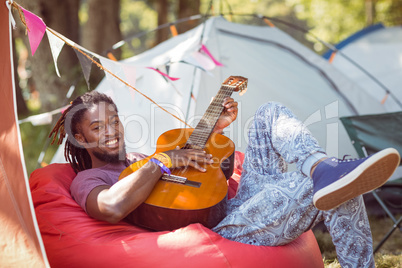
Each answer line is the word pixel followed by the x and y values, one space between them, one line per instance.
pixel 189 157
pixel 229 114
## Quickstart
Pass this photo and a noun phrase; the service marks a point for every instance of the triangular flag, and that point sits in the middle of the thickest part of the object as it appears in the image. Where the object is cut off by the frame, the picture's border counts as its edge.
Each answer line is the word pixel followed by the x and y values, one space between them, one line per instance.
pixel 41 119
pixel 199 60
pixel 130 72
pixel 167 68
pixel 115 68
pixel 36 29
pixel 206 51
pixel 164 71
pixel 163 74
pixel 56 45
pixel 86 65
pixel 193 97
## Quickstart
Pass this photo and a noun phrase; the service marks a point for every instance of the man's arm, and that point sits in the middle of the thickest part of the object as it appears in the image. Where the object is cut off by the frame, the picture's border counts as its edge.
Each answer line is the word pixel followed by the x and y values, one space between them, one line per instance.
pixel 113 203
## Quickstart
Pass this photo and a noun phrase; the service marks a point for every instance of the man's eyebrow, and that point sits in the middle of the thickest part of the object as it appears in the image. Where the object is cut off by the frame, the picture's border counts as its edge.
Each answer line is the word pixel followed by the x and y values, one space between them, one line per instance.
pixel 114 116
pixel 95 122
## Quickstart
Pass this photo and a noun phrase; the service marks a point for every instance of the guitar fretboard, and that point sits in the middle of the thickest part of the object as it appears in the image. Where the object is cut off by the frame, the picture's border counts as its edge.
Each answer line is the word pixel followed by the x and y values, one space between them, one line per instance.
pixel 204 128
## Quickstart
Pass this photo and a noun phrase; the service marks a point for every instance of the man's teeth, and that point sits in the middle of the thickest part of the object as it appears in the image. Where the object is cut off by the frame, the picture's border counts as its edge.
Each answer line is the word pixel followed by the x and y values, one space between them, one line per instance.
pixel 111 142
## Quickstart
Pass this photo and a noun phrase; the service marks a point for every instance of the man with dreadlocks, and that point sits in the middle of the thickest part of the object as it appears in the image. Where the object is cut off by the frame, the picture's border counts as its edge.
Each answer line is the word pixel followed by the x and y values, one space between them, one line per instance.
pixel 272 206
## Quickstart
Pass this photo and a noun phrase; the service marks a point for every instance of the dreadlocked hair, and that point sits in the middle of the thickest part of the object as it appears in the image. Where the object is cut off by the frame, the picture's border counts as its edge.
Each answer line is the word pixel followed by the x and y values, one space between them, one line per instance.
pixel 68 125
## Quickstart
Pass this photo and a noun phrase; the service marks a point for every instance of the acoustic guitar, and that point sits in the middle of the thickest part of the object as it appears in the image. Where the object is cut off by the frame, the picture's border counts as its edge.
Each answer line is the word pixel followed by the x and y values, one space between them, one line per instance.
pixel 187 195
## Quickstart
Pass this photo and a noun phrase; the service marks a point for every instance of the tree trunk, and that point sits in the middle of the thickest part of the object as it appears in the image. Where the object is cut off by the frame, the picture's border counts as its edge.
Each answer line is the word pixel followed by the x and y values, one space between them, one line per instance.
pixel 187 8
pixel 101 32
pixel 370 12
pixel 162 8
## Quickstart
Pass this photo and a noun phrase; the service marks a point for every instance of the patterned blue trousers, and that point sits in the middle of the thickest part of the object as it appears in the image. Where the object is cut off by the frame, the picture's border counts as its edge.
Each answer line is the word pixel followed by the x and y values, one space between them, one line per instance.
pixel 273 207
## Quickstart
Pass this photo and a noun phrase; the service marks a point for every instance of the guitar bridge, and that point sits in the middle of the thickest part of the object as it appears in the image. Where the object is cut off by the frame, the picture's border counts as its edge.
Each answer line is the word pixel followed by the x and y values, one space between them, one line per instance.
pixel 180 180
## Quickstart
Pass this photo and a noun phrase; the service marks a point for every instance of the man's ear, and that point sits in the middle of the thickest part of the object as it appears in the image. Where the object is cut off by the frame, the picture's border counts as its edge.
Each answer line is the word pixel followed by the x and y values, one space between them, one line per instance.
pixel 80 139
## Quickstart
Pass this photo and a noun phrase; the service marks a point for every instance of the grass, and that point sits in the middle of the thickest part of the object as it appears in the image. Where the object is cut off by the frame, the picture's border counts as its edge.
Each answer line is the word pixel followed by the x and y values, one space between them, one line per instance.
pixel 388 256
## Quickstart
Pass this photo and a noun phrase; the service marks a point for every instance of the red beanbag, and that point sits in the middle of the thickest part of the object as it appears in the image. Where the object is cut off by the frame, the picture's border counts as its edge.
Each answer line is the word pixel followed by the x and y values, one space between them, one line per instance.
pixel 73 239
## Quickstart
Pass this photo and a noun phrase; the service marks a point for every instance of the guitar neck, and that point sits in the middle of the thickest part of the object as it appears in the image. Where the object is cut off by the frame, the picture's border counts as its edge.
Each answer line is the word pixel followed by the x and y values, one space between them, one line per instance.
pixel 204 128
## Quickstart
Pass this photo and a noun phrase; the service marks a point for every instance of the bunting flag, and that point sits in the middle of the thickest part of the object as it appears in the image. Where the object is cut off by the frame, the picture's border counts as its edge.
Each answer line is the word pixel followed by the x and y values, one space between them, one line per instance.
pixel 86 65
pixel 166 76
pixel 114 67
pixel 130 73
pixel 201 61
pixel 56 45
pixel 385 98
pixel 44 118
pixel 38 120
pixel 163 74
pixel 205 62
pixel 36 29
pixel 123 71
pixel 193 97
pixel 268 22
pixel 206 51
pixel 173 30
pixel 333 54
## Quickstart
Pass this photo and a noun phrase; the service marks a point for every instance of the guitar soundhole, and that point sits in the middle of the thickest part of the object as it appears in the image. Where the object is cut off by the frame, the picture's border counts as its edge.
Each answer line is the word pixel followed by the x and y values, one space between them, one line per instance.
pixel 180 180
pixel 193 146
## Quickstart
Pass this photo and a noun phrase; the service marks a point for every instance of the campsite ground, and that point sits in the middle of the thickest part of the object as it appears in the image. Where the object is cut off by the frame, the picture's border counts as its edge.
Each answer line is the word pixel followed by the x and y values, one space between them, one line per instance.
pixel 389 255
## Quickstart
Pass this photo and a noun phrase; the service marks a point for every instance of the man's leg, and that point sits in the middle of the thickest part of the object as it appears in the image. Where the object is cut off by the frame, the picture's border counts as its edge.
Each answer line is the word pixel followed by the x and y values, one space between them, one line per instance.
pixel 276 137
pixel 350 231
pixel 272 207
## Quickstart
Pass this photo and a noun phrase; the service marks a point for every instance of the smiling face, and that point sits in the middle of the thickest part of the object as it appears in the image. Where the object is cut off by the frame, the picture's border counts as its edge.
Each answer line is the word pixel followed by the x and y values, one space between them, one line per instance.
pixel 102 135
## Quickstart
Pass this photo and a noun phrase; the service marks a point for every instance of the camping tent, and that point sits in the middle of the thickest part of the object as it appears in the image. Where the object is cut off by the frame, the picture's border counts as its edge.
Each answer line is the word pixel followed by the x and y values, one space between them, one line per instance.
pixel 372 58
pixel 278 68
pixel 20 241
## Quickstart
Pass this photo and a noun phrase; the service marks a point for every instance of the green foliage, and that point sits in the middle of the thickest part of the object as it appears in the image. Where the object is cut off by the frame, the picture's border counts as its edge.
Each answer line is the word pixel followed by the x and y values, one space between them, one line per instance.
pixel 137 17
pixel 34 139
pixel 332 21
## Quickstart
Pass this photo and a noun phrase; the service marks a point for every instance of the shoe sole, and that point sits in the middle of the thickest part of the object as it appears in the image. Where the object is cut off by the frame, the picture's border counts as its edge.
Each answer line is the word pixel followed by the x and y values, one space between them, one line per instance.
pixel 369 175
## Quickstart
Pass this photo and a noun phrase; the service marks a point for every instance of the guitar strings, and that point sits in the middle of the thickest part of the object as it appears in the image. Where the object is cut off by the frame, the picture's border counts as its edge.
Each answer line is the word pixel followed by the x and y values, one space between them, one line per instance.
pixel 204 128
pixel 213 111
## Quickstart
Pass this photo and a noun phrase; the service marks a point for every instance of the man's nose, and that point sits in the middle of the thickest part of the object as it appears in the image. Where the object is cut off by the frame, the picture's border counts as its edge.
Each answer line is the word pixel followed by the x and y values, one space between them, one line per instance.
pixel 110 130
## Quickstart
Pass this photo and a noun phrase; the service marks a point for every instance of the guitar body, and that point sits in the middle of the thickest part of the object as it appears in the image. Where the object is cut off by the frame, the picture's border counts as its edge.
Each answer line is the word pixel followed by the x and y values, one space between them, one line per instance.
pixel 173 205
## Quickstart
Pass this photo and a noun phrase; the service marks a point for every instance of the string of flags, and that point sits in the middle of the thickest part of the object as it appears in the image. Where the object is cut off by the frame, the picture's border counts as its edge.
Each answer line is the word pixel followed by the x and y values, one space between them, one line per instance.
pixel 124 73
pixel 43 118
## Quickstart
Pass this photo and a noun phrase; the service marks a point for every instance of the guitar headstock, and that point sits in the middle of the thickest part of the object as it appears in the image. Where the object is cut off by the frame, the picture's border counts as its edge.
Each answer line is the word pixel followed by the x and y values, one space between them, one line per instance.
pixel 237 83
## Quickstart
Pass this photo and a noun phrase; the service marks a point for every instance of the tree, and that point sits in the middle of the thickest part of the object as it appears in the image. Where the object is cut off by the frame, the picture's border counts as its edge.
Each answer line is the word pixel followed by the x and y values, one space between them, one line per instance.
pixel 370 11
pixel 101 31
pixel 162 9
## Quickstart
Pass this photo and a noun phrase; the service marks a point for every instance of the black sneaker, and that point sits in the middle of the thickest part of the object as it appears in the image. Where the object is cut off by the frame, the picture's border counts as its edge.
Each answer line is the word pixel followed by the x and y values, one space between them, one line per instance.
pixel 337 181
